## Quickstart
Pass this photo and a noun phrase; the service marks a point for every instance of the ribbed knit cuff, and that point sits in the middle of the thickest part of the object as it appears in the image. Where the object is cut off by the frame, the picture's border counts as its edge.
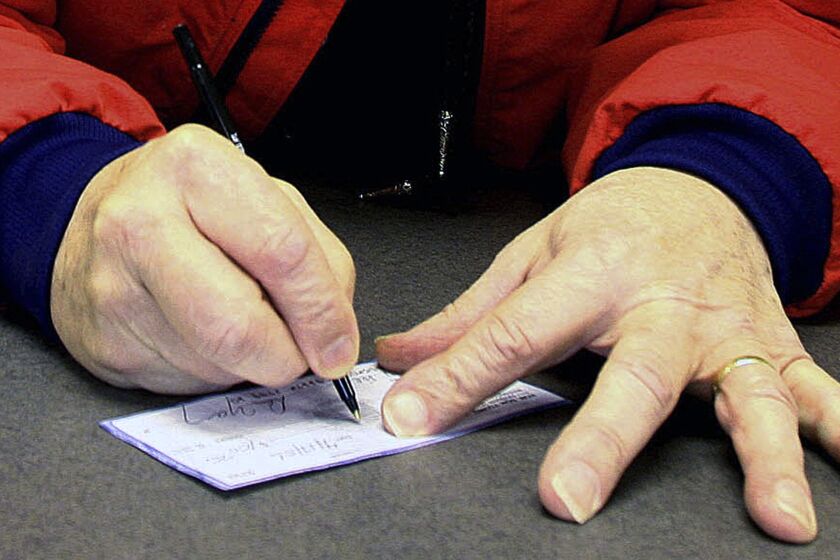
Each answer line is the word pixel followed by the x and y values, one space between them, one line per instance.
pixel 44 167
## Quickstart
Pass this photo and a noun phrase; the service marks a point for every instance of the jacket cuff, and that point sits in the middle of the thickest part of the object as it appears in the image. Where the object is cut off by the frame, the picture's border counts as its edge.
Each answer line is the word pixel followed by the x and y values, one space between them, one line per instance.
pixel 44 167
pixel 766 171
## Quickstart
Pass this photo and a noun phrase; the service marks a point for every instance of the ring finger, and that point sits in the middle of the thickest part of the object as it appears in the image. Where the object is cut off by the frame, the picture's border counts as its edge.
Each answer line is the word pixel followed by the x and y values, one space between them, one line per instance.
pixel 755 406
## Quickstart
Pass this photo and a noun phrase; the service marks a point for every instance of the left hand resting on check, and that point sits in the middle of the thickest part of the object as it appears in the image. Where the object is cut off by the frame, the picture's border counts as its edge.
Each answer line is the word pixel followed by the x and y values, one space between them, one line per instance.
pixel 663 273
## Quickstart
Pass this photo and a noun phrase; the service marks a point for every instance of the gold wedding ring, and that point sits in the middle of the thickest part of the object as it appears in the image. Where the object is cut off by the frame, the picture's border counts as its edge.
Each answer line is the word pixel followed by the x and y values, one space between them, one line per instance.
pixel 740 361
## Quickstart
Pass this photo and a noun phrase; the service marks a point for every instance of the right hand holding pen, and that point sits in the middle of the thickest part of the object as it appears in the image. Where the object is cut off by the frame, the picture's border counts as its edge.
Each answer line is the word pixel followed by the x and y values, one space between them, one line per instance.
pixel 186 268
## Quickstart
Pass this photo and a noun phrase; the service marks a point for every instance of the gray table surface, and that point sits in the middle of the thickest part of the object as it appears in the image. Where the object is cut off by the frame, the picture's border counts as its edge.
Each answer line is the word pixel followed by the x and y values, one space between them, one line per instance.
pixel 69 490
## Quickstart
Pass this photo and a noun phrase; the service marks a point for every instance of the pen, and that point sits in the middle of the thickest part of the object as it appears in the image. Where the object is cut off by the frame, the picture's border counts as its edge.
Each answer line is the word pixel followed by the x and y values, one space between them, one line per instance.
pixel 203 80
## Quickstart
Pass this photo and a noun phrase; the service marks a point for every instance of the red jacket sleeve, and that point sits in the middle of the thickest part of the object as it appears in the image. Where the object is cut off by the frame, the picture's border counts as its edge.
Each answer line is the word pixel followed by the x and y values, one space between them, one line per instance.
pixel 779 60
pixel 36 80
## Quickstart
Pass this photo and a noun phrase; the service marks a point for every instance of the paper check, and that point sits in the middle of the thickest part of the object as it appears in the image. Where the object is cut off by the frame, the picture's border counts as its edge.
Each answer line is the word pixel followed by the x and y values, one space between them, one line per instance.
pixel 253 435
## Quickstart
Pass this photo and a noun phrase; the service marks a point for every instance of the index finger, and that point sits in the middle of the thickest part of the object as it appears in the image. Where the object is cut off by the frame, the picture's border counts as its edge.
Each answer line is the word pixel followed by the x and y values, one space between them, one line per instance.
pixel 549 317
pixel 240 208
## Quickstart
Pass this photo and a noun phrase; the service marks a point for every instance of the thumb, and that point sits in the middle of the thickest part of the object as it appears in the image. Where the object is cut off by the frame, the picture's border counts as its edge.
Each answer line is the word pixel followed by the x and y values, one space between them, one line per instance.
pixel 508 271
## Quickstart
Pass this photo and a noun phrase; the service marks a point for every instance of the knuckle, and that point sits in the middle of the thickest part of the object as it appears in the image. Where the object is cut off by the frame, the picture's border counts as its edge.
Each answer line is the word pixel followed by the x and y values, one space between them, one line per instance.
pixel 116 356
pixel 338 311
pixel 285 247
pixel 294 365
pixel 347 270
pixel 605 436
pixel 454 313
pixel 509 342
pixel 744 323
pixel 124 223
pixel 602 256
pixel 104 292
pixel 651 380
pixel 187 139
pixel 455 384
pixel 451 311
pixel 109 220
pixel 187 151
pixel 325 311
pixel 679 306
pixel 757 388
pixel 737 320
pixel 231 339
pixel 828 411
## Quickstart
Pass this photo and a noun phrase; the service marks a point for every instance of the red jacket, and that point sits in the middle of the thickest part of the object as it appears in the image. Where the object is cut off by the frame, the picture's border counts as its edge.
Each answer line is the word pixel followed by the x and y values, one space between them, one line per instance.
pixel 598 62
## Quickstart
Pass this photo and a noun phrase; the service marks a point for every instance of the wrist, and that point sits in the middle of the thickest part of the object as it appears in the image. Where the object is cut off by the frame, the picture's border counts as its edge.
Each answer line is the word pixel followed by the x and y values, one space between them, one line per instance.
pixel 44 167
pixel 772 178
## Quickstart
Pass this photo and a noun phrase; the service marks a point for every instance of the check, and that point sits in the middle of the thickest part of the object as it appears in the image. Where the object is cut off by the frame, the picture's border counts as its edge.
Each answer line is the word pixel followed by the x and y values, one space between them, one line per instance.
pixel 253 435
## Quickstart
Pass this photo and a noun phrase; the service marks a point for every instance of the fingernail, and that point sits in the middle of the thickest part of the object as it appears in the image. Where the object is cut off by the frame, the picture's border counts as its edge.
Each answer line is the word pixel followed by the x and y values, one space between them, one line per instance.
pixel 406 414
pixel 338 357
pixel 578 486
pixel 791 499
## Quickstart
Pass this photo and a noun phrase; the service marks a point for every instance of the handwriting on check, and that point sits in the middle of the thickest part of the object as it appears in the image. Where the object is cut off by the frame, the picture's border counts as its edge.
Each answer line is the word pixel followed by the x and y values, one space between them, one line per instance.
pixel 260 400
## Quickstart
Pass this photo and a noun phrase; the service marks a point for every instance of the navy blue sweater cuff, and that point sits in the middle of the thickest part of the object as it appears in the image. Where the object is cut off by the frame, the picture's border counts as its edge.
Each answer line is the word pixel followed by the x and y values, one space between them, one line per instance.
pixel 766 171
pixel 44 167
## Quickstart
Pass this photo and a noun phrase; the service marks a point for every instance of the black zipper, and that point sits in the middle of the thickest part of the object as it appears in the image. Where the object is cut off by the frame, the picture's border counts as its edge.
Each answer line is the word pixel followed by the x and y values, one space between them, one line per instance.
pixel 237 57
pixel 456 116
pixel 462 67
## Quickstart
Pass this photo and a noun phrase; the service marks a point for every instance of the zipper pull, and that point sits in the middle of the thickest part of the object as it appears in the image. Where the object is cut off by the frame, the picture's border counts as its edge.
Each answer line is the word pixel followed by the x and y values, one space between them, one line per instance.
pixel 405 187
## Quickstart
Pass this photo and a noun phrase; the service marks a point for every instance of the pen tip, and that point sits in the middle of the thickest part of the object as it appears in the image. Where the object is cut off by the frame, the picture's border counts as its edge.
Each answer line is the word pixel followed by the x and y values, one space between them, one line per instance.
pixel 357 415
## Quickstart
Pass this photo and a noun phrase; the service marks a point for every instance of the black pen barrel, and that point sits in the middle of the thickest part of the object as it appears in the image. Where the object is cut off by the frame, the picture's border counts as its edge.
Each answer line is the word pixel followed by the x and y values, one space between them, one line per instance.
pixel 203 80
pixel 348 395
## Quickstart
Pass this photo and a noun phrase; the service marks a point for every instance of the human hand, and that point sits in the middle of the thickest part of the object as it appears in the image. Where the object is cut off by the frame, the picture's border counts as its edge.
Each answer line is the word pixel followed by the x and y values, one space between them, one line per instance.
pixel 186 268
pixel 663 273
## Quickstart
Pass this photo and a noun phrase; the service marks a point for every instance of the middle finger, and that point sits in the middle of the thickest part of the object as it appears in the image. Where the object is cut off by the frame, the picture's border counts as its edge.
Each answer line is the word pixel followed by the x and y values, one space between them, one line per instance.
pixel 636 390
